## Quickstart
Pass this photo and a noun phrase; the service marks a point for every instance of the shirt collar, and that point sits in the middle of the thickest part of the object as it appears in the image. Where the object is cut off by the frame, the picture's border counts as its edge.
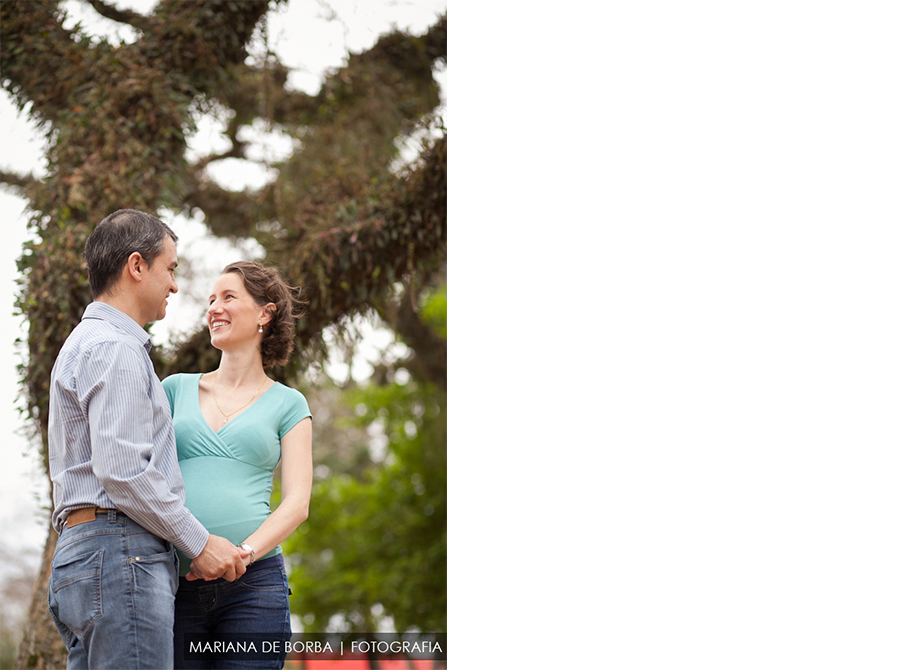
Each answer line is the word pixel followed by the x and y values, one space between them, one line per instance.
pixel 119 319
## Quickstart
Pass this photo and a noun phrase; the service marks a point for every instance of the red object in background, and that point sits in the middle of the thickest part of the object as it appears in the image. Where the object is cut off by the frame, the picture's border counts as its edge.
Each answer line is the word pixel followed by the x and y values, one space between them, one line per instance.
pixel 363 664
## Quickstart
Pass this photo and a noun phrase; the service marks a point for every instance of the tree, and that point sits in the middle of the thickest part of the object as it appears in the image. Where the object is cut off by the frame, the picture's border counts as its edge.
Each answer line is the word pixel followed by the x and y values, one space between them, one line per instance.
pixel 15 595
pixel 375 547
pixel 337 220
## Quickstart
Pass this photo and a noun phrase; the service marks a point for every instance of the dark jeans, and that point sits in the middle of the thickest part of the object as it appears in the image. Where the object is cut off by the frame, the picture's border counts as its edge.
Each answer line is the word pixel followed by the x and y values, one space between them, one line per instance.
pixel 210 615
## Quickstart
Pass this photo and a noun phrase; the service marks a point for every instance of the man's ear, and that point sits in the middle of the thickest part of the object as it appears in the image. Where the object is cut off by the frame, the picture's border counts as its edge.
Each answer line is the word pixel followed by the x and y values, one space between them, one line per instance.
pixel 134 266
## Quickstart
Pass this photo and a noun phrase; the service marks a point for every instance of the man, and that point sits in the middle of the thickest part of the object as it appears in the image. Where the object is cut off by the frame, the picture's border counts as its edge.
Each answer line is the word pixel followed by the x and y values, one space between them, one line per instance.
pixel 117 490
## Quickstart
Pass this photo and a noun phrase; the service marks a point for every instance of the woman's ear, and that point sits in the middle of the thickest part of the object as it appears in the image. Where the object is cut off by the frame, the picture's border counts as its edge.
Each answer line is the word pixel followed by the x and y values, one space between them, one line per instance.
pixel 268 313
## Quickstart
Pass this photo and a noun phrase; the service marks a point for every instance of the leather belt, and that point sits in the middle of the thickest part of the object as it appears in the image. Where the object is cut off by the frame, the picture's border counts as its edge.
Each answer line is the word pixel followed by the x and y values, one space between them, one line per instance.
pixel 83 515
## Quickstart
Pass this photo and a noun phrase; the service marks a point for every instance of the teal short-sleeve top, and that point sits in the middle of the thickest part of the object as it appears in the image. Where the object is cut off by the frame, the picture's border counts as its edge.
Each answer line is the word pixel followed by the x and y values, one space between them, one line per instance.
pixel 228 474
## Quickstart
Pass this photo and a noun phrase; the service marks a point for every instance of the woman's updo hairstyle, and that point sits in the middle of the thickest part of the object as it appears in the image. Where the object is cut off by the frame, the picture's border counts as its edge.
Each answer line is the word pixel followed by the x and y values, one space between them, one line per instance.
pixel 266 285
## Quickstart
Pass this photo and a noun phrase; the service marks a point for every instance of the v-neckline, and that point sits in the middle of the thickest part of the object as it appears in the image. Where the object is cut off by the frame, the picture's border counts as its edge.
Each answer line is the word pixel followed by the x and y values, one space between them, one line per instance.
pixel 218 433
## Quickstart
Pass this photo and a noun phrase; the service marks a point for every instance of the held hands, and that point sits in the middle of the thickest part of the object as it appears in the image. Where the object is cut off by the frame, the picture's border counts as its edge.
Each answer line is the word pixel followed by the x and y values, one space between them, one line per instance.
pixel 219 558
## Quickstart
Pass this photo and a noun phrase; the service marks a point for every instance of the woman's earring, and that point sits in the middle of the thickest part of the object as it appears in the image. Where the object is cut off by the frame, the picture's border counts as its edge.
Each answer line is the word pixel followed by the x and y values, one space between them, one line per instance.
pixel 260 326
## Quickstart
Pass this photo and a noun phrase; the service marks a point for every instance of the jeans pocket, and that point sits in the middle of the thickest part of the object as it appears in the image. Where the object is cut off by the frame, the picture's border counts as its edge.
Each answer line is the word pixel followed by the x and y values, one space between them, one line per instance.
pixel 268 579
pixel 74 596
pixel 160 567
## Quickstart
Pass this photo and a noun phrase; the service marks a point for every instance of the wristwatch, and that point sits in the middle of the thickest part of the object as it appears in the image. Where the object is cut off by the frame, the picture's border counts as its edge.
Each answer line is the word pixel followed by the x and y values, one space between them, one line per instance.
pixel 247 547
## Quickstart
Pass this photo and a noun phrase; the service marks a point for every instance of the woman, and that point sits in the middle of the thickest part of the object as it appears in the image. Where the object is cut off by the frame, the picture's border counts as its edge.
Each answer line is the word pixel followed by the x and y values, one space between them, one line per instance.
pixel 231 427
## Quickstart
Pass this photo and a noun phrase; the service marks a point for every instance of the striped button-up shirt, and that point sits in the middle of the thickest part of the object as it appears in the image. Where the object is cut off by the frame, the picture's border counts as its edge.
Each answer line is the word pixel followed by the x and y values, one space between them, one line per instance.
pixel 111 438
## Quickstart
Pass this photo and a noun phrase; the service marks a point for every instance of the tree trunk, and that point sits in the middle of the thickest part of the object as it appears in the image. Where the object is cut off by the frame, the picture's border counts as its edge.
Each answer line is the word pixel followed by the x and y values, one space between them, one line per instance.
pixel 42 647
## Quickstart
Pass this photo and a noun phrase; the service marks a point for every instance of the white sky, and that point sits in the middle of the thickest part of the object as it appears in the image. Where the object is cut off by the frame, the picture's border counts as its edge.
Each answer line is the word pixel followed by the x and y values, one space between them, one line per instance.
pixel 303 39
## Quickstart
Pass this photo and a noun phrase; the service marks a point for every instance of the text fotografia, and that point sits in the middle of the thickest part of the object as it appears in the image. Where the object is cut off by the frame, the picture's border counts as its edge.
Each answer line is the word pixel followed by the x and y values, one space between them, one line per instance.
pixel 395 647
pixel 318 646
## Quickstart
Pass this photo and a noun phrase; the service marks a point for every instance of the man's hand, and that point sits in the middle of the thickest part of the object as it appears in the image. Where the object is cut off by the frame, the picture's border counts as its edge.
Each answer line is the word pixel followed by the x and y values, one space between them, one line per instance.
pixel 219 558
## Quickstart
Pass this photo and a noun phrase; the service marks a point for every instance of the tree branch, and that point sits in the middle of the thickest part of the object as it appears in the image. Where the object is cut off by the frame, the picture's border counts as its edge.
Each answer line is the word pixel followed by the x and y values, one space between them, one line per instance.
pixel 397 56
pixel 260 92
pixel 345 269
pixel 237 150
pixel 429 360
pixel 228 213
pixel 15 182
pixel 348 132
pixel 128 16
pixel 34 41
pixel 202 41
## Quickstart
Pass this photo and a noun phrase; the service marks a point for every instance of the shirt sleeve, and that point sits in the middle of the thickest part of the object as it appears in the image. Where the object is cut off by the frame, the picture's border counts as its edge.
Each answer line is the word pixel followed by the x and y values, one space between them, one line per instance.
pixel 295 410
pixel 135 461
pixel 170 386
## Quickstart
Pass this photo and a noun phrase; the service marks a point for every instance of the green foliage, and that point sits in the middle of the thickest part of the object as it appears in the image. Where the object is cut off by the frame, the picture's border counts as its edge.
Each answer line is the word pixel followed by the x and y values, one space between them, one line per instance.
pixel 375 545
pixel 434 312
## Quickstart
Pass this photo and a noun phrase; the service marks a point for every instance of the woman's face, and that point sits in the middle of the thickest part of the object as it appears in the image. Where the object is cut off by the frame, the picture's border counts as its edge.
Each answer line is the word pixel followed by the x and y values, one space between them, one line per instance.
pixel 233 315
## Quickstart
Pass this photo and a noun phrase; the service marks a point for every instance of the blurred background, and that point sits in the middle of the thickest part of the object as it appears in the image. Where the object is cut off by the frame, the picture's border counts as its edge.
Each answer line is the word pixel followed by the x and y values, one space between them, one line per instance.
pixel 303 158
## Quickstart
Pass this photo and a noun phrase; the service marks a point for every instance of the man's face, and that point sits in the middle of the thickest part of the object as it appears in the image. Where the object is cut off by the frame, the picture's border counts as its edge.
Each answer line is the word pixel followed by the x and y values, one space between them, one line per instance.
pixel 160 282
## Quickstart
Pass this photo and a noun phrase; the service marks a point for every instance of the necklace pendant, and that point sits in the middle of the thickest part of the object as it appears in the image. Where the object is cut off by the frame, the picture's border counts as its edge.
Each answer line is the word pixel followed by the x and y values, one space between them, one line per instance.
pixel 226 421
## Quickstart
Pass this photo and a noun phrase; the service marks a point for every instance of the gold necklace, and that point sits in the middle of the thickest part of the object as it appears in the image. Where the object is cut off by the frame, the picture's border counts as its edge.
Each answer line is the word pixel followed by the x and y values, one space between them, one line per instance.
pixel 215 376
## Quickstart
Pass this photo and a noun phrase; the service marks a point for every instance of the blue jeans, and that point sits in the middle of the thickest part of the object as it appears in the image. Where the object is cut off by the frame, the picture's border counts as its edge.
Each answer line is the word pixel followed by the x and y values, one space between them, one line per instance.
pixel 253 608
pixel 112 594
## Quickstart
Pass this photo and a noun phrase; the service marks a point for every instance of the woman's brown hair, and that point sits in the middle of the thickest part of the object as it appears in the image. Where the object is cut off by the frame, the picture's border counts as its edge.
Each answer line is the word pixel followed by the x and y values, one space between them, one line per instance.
pixel 266 285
